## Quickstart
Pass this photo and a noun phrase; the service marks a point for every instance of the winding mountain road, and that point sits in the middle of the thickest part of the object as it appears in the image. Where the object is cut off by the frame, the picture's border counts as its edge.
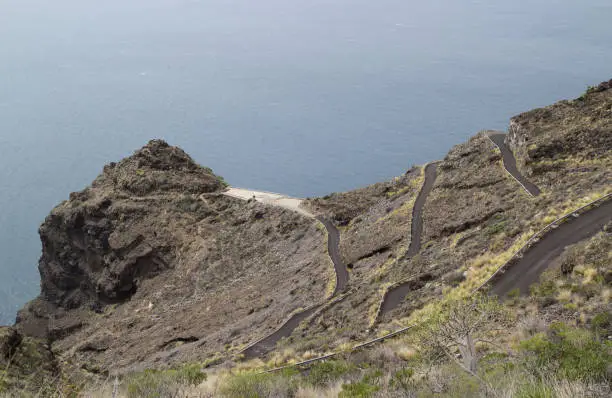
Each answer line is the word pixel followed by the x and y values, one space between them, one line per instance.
pixel 534 261
pixel 268 343
pixel 541 255
pixel 333 248
pixel 499 139
pixel 396 295
pixel 526 271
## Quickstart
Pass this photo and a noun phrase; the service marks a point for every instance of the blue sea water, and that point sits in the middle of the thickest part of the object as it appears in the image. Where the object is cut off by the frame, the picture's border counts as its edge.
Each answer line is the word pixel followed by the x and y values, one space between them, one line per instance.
pixel 300 97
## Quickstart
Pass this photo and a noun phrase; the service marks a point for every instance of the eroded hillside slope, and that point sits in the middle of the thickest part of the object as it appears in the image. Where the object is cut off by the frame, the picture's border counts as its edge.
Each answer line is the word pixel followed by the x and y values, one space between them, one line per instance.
pixel 476 216
pixel 151 265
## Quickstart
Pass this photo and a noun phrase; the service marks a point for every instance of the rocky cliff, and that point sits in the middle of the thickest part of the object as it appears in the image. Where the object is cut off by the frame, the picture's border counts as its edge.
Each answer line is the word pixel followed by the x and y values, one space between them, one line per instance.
pixel 474 217
pixel 151 265
pixel 151 258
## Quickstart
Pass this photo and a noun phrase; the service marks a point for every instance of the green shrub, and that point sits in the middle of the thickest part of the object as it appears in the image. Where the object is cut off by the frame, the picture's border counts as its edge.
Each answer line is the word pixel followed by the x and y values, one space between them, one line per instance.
pixel 534 390
pixel 570 306
pixel 496 228
pixel 3 382
pixel 402 380
pixel 496 363
pixel 192 374
pixel 162 383
pixel 151 383
pixel 360 389
pixel 514 293
pixel 224 183
pixel 250 385
pixel 325 372
pixel 546 288
pixel 601 323
pixel 246 385
pixel 589 90
pixel 573 353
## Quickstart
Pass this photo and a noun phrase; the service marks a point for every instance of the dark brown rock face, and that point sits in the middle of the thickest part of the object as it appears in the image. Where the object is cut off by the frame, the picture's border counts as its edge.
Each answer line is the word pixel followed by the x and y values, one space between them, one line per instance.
pixel 80 264
pixel 578 128
pixel 9 343
pixel 95 248
pixel 86 258
pixel 152 261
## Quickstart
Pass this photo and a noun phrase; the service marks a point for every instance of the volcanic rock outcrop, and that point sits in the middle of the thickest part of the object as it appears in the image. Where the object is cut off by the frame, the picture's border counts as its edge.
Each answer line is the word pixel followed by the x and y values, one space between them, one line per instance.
pixel 152 257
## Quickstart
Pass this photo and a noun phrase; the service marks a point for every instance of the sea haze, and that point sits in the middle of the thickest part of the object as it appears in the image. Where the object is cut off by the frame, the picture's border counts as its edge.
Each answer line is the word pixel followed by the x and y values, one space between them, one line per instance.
pixel 299 97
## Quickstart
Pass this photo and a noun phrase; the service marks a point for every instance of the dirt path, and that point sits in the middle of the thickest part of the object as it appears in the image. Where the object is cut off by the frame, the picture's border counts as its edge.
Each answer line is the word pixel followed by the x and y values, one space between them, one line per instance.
pixel 396 296
pixel 541 255
pixel 498 139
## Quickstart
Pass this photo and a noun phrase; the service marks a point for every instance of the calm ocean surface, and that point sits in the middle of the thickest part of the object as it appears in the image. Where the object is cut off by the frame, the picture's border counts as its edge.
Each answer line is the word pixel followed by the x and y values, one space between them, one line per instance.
pixel 300 97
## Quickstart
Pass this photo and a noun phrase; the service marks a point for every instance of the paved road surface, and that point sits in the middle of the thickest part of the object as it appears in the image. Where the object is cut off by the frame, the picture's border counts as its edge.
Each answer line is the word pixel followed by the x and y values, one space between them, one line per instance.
pixel 396 296
pixel 540 256
pixel 333 247
pixel 510 163
pixel 333 242
pixel 431 172
pixel 266 345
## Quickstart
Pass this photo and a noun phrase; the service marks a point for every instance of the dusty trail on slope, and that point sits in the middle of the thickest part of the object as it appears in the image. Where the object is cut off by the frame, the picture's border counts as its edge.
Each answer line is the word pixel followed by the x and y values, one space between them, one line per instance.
pixel 540 256
pixel 396 296
pixel 498 139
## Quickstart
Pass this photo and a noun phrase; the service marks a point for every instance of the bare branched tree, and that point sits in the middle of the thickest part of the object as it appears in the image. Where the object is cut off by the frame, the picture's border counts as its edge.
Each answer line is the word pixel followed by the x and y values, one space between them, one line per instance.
pixel 455 331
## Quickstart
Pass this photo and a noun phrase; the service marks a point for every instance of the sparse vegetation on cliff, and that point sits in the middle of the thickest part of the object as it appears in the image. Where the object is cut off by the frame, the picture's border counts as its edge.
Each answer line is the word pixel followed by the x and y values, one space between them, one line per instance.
pixel 152 268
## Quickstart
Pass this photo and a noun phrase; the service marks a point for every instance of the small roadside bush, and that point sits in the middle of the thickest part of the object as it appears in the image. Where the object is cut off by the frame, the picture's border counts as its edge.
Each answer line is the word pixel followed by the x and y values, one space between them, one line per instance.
pixel 546 289
pixel 496 228
pixel 162 383
pixel 250 385
pixel 359 389
pixel 3 383
pixel 602 323
pixel 534 390
pixel 574 354
pixel 325 372
pixel 402 380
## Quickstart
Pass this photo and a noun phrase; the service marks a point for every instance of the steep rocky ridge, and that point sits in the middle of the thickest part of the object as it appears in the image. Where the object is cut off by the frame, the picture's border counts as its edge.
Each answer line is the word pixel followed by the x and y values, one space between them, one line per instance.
pixel 152 265
pixel 475 216
pixel 569 140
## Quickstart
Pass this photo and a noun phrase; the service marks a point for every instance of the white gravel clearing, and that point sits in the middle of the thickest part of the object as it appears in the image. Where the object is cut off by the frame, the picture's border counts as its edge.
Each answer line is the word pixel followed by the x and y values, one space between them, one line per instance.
pixel 270 198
